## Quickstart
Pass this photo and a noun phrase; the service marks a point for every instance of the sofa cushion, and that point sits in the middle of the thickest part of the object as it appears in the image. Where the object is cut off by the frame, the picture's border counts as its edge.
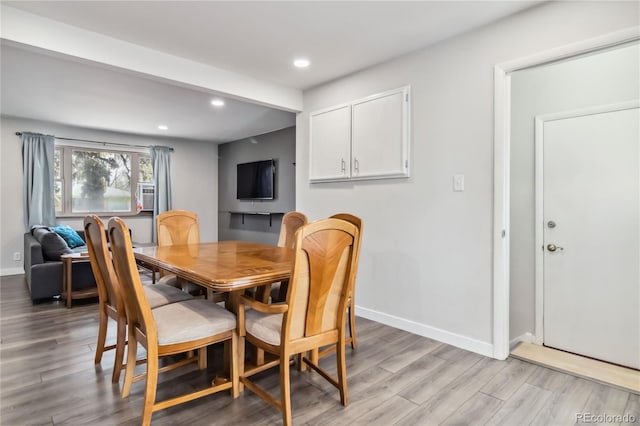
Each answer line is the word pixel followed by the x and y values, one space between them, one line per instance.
pixel 53 246
pixel 71 237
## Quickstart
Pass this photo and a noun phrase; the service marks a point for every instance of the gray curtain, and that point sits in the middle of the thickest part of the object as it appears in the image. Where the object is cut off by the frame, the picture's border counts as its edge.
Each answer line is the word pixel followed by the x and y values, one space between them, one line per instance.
pixel 160 157
pixel 37 170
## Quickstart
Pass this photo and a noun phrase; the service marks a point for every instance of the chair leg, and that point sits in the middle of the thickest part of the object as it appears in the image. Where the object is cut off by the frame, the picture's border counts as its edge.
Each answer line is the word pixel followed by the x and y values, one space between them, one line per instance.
pixel 240 358
pixel 282 293
pixel 300 360
pixel 150 390
pixel 132 349
pixel 202 358
pixel 120 346
pixel 342 371
pixel 285 389
pixel 234 368
pixel 102 334
pixel 352 324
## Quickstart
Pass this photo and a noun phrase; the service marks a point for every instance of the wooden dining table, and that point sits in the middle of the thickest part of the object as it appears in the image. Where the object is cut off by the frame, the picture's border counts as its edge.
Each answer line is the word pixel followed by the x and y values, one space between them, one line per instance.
pixel 224 266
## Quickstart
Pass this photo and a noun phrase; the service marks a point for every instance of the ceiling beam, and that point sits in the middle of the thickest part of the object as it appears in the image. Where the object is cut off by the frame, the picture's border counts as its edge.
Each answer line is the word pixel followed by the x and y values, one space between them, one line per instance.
pixel 43 33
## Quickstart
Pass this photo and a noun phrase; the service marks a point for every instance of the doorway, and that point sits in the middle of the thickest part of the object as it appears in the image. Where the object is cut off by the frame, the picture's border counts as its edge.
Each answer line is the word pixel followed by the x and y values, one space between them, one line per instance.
pixel 587 219
pixel 515 318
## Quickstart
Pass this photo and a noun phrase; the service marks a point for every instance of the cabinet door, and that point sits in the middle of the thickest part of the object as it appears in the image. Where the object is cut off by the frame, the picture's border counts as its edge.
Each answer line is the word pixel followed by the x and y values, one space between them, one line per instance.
pixel 330 144
pixel 380 145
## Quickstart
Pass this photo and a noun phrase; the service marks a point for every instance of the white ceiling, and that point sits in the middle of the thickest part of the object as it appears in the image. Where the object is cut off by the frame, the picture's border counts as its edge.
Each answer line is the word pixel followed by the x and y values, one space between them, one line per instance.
pixel 257 39
pixel 60 90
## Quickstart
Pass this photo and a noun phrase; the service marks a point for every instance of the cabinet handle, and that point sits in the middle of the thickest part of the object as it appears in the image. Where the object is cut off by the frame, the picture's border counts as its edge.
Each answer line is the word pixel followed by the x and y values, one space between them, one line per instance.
pixel 343 168
pixel 356 165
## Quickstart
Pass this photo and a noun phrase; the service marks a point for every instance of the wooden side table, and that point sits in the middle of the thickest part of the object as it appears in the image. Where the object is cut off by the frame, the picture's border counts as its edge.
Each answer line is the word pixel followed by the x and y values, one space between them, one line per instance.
pixel 67 278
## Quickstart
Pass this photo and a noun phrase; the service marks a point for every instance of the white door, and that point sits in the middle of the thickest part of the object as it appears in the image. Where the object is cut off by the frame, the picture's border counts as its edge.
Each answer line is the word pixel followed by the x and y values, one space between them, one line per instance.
pixel 591 234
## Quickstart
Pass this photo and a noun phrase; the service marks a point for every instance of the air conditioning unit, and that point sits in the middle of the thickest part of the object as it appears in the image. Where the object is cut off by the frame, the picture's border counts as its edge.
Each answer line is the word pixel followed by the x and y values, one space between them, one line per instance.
pixel 145 195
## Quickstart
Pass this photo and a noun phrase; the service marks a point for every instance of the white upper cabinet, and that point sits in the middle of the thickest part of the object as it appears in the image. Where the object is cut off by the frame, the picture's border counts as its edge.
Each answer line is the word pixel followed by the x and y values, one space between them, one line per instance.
pixel 379 136
pixel 364 139
pixel 330 148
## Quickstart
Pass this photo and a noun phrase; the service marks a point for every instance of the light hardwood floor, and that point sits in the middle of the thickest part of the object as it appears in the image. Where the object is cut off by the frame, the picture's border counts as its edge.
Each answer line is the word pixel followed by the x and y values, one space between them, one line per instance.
pixel 603 372
pixel 47 376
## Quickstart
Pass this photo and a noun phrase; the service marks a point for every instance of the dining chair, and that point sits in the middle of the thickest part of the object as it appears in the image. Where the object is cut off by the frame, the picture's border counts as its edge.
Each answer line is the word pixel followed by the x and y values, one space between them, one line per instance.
pixel 313 314
pixel 318 353
pixel 110 299
pixel 172 329
pixel 177 227
pixel 291 222
pixel 351 316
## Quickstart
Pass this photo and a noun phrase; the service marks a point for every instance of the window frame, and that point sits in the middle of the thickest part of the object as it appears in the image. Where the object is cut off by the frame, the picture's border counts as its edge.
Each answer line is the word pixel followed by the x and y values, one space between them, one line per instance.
pixel 66 170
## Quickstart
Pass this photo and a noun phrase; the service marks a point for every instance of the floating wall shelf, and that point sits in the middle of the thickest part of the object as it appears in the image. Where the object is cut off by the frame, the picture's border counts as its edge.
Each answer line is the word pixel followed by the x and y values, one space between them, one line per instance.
pixel 270 214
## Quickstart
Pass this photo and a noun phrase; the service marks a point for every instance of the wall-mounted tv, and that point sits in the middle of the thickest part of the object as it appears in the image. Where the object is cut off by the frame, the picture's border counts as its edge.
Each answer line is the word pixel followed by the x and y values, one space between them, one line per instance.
pixel 255 180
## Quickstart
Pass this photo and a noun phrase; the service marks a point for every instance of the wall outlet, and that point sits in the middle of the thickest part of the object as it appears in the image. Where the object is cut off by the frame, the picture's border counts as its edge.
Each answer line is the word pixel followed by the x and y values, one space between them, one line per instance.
pixel 458 183
pixel 16 256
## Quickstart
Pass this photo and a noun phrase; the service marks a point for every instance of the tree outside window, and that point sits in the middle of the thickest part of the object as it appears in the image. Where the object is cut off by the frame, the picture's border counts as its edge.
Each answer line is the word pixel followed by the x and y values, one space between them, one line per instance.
pixel 98 181
pixel 101 182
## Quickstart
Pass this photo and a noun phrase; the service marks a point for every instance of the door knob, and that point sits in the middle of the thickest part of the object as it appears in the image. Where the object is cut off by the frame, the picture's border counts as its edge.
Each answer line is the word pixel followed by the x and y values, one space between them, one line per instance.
pixel 553 247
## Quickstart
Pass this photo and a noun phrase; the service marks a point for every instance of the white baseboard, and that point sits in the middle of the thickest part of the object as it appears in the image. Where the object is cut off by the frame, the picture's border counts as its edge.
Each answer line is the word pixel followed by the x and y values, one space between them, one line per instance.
pixel 11 271
pixel 462 342
pixel 526 337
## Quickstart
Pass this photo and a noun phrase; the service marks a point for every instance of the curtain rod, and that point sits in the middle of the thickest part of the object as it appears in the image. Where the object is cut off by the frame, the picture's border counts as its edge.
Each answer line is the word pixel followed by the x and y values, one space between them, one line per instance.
pixel 99 142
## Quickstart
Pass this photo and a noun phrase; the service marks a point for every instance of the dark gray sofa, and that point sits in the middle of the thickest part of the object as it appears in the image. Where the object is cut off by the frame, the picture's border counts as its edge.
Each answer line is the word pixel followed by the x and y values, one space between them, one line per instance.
pixel 44 277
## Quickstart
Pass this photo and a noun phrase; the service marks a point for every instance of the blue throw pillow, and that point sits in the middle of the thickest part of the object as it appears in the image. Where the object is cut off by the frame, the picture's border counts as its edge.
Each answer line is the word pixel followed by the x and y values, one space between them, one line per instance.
pixel 69 235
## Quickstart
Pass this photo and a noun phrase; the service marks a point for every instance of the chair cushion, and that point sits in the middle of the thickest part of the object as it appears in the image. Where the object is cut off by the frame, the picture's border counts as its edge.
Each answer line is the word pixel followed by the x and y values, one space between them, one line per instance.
pixel 191 320
pixel 265 327
pixel 162 294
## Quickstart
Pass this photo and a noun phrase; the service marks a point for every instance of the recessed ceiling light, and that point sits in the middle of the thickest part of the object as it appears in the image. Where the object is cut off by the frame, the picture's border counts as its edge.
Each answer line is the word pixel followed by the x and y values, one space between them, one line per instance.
pixel 163 127
pixel 217 102
pixel 301 63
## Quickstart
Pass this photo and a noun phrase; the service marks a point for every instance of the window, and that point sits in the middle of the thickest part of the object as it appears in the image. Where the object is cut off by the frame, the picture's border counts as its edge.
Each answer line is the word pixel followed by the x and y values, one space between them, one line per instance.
pixel 98 181
pixel 57 180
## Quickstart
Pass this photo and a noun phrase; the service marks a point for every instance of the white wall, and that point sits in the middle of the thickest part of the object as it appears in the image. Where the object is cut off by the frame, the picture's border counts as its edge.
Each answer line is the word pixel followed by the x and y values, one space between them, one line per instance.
pixel 608 77
pixel 426 263
pixel 194 168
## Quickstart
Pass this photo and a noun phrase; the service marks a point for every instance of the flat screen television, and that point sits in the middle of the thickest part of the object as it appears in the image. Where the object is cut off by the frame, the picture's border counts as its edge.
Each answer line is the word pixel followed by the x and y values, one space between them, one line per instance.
pixel 255 180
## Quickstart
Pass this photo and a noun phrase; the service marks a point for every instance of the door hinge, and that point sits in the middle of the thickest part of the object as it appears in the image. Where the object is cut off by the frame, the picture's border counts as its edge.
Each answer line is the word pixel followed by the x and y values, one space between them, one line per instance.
pixel 406 97
pixel 504 233
pixel 406 164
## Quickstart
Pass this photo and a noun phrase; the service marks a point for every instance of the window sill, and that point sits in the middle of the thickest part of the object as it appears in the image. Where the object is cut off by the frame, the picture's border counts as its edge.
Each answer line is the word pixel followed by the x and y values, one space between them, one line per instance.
pixel 104 214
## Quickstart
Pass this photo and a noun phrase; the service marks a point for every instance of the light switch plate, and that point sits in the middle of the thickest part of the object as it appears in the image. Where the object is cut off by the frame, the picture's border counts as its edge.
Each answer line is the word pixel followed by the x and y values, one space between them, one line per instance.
pixel 458 183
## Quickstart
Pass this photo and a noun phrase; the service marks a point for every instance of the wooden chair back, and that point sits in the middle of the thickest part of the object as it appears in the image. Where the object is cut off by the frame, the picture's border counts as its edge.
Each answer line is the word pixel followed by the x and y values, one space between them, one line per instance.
pixel 358 223
pixel 355 220
pixel 291 222
pixel 138 310
pixel 322 272
pixel 351 302
pixel 175 227
pixel 101 264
